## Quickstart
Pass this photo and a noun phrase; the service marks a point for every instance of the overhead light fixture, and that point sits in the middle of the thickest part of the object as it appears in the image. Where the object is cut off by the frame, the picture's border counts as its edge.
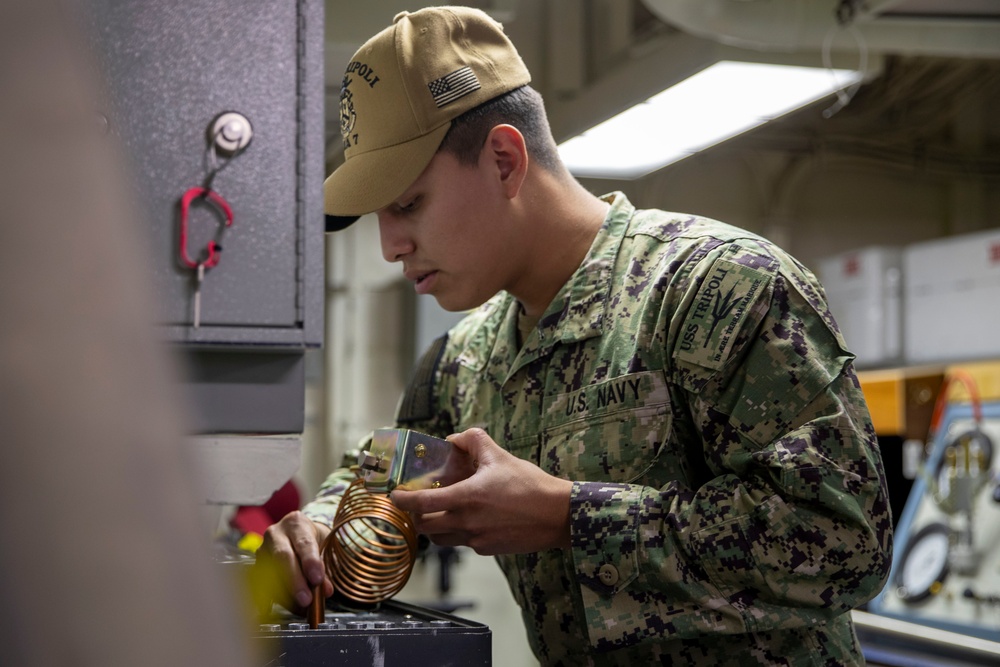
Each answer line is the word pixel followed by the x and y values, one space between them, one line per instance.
pixel 716 104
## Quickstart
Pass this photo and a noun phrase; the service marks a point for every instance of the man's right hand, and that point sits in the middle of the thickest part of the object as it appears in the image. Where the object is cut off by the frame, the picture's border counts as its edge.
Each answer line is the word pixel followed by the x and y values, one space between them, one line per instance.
pixel 289 564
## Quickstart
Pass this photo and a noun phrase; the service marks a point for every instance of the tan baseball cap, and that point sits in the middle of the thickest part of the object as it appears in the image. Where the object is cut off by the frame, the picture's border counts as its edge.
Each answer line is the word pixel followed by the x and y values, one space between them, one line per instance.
pixel 400 93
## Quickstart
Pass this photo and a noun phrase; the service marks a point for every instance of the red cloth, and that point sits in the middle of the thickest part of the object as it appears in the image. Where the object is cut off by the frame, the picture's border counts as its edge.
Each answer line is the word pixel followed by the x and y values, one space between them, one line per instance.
pixel 256 518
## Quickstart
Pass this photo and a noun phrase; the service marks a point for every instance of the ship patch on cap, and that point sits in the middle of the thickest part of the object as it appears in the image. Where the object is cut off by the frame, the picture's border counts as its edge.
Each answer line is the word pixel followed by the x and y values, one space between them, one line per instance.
pixel 348 117
pixel 451 87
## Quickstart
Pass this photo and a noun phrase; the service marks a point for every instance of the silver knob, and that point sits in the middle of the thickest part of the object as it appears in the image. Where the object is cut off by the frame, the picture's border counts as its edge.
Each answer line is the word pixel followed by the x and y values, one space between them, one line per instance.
pixel 231 132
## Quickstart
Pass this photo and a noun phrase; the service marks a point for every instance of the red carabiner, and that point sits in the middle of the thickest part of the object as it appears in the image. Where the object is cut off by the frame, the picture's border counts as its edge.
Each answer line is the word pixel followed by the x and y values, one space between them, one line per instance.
pixel 213 247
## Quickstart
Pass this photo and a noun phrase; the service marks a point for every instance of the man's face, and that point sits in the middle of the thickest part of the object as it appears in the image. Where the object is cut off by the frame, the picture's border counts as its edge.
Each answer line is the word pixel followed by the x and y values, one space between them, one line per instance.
pixel 448 231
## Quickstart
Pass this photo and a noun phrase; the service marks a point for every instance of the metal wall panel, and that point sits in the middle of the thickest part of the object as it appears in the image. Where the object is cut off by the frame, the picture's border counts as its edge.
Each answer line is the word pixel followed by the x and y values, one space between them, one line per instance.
pixel 172 67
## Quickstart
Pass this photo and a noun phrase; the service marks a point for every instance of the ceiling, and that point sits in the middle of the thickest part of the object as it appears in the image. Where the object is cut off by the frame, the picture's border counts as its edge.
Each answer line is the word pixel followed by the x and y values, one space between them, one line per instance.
pixel 976 9
pixel 927 60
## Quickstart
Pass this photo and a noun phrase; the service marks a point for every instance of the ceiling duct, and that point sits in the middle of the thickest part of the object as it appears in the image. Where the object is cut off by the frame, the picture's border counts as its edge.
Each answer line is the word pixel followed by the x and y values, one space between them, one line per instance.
pixel 804 25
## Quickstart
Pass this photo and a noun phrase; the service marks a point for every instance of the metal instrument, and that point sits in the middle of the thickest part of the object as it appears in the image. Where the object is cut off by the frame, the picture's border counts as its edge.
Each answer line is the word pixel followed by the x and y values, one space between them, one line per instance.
pixel 404 459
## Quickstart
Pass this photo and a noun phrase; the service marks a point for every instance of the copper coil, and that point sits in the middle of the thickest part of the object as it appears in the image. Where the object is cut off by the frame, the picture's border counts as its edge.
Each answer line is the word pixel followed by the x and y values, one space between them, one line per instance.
pixel 371 548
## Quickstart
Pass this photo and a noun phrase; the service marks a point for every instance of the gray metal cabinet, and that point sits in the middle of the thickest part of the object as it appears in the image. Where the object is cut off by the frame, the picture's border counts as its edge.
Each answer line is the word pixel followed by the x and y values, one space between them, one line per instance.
pixel 172 67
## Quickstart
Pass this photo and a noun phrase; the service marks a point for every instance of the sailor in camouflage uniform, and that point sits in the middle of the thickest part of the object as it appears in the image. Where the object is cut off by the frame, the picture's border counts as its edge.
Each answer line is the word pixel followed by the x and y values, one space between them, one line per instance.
pixel 668 451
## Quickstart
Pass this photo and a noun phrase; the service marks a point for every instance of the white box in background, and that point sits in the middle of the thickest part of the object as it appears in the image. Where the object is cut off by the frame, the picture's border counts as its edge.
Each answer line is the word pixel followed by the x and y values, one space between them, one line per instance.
pixel 952 299
pixel 864 291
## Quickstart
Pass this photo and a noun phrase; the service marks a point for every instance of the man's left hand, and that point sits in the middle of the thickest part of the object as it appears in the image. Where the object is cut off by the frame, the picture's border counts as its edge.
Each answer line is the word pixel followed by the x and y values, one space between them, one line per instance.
pixel 506 505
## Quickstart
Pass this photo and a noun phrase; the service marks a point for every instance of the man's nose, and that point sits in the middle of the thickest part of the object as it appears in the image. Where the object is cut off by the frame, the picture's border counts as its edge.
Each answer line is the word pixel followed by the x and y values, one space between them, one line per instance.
pixel 396 241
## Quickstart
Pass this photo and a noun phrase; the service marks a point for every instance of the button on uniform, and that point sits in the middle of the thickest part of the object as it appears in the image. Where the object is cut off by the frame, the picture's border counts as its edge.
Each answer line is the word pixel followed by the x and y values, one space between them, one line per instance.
pixel 608 574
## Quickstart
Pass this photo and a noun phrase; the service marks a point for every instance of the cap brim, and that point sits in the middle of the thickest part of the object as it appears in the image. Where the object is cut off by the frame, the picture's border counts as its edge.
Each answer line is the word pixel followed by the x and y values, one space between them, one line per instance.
pixel 369 181
pixel 336 223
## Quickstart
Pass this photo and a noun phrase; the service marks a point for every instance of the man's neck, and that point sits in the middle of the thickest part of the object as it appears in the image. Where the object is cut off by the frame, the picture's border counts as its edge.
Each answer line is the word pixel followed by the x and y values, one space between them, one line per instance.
pixel 563 229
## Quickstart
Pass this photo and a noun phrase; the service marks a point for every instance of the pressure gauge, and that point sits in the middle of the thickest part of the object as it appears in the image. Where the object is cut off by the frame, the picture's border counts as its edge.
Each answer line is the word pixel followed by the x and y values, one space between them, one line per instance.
pixel 924 564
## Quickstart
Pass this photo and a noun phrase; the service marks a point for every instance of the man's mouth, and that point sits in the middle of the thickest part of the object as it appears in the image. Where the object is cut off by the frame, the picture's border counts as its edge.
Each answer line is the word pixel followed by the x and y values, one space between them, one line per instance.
pixel 423 281
pixel 417 276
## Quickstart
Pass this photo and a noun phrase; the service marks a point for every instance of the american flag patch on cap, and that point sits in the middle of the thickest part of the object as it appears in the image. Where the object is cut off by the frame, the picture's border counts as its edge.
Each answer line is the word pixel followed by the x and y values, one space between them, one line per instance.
pixel 452 86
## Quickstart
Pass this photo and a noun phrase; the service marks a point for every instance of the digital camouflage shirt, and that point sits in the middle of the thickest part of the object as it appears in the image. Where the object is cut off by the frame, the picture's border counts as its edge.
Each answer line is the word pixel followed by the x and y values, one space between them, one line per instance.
pixel 729 504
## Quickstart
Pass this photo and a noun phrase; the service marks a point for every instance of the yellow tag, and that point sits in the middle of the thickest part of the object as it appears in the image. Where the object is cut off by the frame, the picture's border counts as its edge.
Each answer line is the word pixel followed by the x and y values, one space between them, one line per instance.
pixel 250 542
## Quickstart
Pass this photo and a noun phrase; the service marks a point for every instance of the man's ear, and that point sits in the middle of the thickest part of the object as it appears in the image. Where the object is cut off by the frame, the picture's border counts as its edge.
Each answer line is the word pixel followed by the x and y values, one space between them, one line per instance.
pixel 506 153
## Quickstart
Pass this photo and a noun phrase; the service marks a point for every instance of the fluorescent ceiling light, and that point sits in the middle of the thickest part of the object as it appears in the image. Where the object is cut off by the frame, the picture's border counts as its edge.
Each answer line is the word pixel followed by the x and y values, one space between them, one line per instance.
pixel 718 103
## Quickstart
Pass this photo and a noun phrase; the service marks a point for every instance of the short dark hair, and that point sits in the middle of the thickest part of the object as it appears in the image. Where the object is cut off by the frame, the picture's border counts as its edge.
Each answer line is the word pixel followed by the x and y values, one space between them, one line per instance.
pixel 522 108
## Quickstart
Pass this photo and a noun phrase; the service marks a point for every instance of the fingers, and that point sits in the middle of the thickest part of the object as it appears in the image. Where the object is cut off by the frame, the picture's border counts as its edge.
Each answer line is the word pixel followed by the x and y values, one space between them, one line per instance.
pixel 425 501
pixel 305 543
pixel 289 563
pixel 436 514
pixel 458 494
pixel 444 514
pixel 474 447
pixel 441 528
pixel 474 441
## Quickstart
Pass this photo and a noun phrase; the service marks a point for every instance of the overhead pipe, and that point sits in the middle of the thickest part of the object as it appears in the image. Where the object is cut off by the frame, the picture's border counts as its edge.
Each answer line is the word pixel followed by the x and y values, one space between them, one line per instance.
pixel 800 25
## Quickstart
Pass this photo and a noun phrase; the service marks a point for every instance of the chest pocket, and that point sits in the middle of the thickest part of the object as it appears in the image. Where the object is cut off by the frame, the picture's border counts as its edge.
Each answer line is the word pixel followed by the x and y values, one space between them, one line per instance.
pixel 610 431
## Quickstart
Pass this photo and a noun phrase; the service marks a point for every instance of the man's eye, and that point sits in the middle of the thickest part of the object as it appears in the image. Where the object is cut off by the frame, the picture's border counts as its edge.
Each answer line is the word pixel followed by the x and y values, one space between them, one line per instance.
pixel 409 207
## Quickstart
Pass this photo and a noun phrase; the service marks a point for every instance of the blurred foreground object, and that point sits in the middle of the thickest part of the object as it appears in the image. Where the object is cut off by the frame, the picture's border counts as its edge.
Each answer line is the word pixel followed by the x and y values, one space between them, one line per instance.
pixel 96 498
